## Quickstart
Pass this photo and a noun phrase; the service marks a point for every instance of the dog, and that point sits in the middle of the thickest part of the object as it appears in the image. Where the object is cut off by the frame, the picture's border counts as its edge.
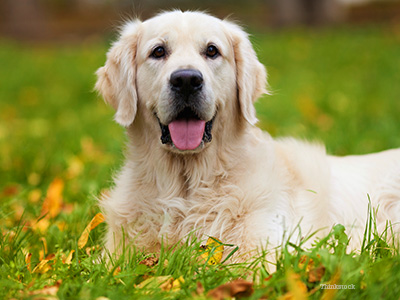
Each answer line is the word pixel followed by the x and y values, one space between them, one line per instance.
pixel 184 86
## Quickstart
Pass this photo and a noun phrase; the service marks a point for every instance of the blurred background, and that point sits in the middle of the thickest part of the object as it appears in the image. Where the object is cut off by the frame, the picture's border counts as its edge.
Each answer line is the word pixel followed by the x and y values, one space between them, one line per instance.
pixel 333 69
pixel 76 19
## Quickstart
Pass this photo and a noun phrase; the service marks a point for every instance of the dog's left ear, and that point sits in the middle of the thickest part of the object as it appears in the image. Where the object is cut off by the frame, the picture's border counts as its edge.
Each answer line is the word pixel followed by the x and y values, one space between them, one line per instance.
pixel 251 76
pixel 116 81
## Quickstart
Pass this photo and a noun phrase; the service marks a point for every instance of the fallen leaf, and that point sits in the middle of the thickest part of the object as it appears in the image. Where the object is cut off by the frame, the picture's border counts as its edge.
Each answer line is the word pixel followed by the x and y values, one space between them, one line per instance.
pixel 68 260
pixel 238 288
pixel 212 251
pixel 297 288
pixel 28 257
pixel 47 291
pixel 43 266
pixel 43 239
pixel 149 261
pixel 199 288
pixel 331 293
pixel 165 283
pixel 97 219
pixel 172 284
pixel 154 282
pixel 53 202
pixel 117 271
pixel 41 225
pixel 316 274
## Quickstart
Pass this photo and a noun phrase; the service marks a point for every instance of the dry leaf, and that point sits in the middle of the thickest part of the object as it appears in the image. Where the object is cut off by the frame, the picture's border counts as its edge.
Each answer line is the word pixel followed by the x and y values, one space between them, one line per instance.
pixel 199 288
pixel 97 219
pixel 238 288
pixel 316 274
pixel 149 261
pixel 68 260
pixel 331 293
pixel 297 288
pixel 53 201
pixel 47 292
pixel 42 225
pixel 28 257
pixel 43 239
pixel 117 271
pixel 172 285
pixel 154 282
pixel 166 283
pixel 212 251
pixel 42 267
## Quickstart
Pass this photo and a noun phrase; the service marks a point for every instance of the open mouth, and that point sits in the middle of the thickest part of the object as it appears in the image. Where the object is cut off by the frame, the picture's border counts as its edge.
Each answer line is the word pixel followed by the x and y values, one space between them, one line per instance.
pixel 187 131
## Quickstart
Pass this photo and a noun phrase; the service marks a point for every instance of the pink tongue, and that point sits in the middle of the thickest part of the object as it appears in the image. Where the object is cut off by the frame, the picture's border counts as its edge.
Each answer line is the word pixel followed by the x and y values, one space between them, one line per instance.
pixel 187 134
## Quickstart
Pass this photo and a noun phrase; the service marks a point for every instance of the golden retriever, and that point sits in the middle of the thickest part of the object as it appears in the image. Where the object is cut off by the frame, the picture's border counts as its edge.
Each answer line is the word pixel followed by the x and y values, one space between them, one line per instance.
pixel 183 84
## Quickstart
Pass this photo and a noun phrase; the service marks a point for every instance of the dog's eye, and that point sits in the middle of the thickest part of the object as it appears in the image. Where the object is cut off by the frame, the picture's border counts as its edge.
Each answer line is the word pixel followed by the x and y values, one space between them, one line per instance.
pixel 212 51
pixel 158 52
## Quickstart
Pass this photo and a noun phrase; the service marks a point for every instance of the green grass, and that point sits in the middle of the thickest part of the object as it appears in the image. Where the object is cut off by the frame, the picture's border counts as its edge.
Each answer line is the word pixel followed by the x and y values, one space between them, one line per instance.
pixel 337 85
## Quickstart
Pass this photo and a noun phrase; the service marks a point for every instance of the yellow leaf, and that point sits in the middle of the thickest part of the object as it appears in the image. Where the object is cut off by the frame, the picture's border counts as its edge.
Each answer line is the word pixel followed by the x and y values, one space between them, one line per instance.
pixel 117 271
pixel 154 282
pixel 297 288
pixel 43 266
pixel 166 283
pixel 176 284
pixel 53 201
pixel 41 226
pixel 97 219
pixel 331 293
pixel 68 260
pixel 212 251
pixel 43 239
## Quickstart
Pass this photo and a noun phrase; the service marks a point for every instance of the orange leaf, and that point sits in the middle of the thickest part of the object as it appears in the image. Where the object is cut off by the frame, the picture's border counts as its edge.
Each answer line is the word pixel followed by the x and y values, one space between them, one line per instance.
pixel 97 219
pixel 53 201
pixel 316 274
pixel 28 257
pixel 331 293
pixel 237 288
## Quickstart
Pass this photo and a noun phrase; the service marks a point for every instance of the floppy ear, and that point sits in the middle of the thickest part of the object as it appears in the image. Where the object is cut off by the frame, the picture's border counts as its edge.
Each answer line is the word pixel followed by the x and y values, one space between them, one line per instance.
pixel 251 76
pixel 116 81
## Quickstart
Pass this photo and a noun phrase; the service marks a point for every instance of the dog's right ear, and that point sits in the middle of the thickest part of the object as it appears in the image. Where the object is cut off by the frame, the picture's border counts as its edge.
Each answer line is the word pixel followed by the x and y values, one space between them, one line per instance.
pixel 116 81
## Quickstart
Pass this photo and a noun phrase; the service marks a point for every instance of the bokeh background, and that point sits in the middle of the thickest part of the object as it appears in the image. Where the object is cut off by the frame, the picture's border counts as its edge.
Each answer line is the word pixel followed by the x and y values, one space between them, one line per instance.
pixel 333 69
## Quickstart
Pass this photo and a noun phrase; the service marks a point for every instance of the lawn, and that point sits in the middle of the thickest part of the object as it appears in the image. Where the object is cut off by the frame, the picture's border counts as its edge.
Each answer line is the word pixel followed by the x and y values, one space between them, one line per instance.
pixel 59 149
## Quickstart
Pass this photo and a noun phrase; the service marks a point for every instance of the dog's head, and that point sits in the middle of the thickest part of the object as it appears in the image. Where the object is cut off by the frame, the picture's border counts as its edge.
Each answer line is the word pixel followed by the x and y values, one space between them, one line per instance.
pixel 184 71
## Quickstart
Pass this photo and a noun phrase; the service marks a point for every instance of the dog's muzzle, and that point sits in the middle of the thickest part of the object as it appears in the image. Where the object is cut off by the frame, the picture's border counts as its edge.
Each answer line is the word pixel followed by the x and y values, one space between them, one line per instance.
pixel 187 129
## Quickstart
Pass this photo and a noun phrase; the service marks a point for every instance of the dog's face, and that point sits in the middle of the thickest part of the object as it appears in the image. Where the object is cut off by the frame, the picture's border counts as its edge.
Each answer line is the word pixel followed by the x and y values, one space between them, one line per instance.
pixel 184 72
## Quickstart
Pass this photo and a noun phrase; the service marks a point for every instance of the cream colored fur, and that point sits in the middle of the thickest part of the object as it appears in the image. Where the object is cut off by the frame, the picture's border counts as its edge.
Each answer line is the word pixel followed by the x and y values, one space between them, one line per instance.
pixel 244 187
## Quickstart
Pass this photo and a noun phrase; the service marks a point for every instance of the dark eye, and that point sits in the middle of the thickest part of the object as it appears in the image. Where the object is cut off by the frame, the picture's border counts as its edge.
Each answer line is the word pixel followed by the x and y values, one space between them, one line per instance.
pixel 158 52
pixel 212 51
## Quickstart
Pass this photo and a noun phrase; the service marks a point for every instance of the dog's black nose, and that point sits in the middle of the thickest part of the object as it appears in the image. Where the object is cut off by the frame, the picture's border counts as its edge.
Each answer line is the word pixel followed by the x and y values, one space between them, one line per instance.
pixel 186 81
